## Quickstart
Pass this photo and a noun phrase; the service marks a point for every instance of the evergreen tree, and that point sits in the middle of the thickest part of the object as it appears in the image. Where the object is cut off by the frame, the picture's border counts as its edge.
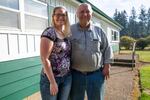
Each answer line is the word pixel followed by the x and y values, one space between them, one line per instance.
pixel 124 22
pixel 115 17
pixel 132 25
pixel 148 22
pixel 121 18
pixel 142 22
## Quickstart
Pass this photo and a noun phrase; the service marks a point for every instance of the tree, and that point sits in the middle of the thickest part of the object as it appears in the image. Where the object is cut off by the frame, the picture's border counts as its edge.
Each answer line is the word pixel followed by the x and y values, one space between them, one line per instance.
pixel 142 22
pixel 148 22
pixel 115 17
pixel 126 42
pixel 121 18
pixel 132 25
pixel 141 43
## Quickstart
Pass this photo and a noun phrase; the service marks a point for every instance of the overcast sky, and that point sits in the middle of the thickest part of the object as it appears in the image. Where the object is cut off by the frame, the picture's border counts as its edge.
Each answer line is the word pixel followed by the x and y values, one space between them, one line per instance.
pixel 109 6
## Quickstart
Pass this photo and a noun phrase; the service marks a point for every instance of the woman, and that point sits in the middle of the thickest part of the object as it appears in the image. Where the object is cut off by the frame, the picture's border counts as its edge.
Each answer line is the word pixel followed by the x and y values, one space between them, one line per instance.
pixel 55 50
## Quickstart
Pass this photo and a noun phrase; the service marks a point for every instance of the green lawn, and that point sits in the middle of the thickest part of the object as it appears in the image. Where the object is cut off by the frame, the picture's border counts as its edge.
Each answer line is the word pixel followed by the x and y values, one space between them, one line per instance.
pixel 145 81
pixel 145 76
pixel 143 55
pixel 145 96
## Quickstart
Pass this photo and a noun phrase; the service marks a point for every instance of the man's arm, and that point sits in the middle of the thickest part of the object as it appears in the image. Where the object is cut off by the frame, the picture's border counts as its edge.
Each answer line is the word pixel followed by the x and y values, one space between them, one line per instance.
pixel 107 55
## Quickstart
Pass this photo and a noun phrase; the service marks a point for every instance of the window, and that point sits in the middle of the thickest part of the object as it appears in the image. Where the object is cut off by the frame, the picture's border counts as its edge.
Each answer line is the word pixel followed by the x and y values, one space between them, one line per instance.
pixel 35 23
pixel 51 11
pixel 9 9
pixel 53 3
pixel 115 35
pixel 36 17
pixel 6 19
pixel 35 7
pixel 14 4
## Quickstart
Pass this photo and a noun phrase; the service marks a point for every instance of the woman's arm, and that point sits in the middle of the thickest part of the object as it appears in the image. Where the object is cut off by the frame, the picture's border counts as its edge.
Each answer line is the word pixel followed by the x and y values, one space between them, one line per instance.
pixel 46 46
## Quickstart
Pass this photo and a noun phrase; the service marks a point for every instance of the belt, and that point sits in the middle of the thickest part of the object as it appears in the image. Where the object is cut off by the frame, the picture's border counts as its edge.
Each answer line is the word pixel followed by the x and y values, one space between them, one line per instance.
pixel 88 73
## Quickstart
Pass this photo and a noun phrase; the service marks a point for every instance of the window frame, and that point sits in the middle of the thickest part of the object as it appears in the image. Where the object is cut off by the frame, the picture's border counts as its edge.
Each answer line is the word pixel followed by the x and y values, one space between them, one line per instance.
pixel 18 21
pixel 114 35
pixel 36 15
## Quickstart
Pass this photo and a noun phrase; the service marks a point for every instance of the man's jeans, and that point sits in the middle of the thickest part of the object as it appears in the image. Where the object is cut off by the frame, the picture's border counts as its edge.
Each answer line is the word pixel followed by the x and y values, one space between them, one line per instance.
pixel 64 85
pixel 92 83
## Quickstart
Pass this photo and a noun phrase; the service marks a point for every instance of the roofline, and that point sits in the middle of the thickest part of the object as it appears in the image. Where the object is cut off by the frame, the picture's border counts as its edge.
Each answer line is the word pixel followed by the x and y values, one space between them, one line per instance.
pixel 101 13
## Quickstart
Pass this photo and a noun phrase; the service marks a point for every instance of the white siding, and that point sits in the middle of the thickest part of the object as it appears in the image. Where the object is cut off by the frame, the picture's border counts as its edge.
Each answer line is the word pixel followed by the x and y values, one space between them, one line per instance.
pixel 3 45
pixel 13 44
pixel 22 44
pixel 30 41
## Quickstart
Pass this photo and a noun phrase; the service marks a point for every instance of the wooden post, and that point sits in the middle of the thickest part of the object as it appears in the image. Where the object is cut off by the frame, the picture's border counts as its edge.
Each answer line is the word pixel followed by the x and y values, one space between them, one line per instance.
pixel 133 54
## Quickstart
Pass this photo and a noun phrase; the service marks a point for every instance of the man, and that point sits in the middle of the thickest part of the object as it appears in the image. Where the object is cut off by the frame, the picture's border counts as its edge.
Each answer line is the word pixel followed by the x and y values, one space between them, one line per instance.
pixel 91 57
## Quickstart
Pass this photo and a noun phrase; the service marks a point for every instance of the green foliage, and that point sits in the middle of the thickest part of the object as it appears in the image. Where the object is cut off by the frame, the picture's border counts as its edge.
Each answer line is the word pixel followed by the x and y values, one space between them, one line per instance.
pixel 121 18
pixel 145 77
pixel 142 21
pixel 145 81
pixel 132 24
pixel 126 42
pixel 145 96
pixel 141 43
pixel 135 25
pixel 148 40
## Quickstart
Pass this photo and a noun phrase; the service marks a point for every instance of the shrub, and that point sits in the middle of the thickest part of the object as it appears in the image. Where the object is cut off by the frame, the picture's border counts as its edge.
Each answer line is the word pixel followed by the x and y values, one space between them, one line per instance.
pixel 148 40
pixel 141 43
pixel 126 42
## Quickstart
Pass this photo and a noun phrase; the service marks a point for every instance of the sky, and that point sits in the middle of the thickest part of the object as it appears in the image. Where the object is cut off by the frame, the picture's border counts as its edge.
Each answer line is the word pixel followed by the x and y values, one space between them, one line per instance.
pixel 109 6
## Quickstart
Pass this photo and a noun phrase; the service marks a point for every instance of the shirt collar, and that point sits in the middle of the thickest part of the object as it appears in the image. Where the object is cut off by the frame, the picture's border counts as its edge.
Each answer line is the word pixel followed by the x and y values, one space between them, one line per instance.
pixel 88 29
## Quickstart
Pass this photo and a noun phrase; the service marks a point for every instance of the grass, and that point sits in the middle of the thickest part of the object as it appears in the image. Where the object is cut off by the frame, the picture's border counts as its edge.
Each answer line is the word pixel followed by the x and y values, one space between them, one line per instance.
pixel 143 55
pixel 145 82
pixel 145 76
pixel 145 96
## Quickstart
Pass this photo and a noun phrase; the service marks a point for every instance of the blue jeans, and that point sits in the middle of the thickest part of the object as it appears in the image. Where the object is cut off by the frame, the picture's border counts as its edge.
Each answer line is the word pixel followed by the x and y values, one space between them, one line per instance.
pixel 92 83
pixel 64 86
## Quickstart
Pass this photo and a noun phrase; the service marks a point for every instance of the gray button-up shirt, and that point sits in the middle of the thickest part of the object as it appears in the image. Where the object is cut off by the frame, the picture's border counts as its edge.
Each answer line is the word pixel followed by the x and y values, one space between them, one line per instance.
pixel 90 48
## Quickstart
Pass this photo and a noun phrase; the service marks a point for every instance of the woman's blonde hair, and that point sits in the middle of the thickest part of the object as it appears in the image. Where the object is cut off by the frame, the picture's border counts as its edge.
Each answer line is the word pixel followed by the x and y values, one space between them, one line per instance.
pixel 66 31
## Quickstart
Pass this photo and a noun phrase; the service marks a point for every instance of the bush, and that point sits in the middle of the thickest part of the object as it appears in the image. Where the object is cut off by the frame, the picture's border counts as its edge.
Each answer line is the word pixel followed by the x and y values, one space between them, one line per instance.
pixel 141 43
pixel 148 40
pixel 126 42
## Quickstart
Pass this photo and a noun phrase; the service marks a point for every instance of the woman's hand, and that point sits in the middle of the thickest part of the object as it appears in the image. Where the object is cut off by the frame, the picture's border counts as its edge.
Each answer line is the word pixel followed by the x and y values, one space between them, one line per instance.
pixel 53 88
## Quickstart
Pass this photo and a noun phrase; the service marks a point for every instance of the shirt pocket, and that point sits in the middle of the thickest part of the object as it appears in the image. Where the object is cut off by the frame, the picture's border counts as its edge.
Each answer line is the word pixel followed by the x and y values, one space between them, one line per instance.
pixel 75 43
pixel 95 45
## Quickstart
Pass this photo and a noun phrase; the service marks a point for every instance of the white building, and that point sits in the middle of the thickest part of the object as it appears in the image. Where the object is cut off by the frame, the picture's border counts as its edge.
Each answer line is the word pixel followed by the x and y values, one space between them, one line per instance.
pixel 21 24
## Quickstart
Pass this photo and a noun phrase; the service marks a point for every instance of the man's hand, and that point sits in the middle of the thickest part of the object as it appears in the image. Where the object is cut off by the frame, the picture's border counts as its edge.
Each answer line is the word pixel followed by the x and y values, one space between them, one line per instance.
pixel 106 71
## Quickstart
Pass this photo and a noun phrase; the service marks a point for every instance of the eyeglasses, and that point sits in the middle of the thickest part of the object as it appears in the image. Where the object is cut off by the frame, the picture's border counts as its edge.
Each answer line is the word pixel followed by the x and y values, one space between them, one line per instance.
pixel 60 15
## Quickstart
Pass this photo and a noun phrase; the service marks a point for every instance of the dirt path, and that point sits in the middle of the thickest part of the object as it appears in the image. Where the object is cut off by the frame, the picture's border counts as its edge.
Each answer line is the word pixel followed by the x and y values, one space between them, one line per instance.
pixel 120 84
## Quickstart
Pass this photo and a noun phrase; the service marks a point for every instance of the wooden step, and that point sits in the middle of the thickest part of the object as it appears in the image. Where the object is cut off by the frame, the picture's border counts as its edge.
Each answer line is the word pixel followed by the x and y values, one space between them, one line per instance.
pixel 124 60
pixel 123 64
